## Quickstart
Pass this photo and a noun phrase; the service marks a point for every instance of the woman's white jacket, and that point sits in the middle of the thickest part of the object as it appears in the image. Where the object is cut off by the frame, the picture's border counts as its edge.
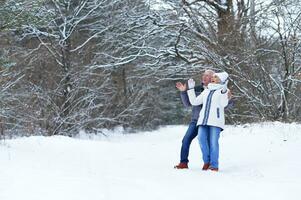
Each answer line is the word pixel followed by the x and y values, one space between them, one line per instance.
pixel 214 102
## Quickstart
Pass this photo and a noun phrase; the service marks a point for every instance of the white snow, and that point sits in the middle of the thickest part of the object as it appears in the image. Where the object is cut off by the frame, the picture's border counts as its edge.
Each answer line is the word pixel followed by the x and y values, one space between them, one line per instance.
pixel 257 161
pixel 159 5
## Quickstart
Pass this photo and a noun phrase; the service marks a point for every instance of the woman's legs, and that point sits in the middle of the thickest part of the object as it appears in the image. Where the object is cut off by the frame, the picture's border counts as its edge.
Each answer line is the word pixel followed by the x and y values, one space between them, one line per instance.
pixel 203 136
pixel 214 145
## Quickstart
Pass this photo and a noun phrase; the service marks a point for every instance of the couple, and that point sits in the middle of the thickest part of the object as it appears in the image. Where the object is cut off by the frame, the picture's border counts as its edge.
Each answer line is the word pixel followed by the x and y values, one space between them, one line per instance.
pixel 208 102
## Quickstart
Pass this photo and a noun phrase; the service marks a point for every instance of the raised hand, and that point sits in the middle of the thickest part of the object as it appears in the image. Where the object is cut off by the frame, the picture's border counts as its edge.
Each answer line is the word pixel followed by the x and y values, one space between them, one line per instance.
pixel 191 83
pixel 181 87
pixel 225 87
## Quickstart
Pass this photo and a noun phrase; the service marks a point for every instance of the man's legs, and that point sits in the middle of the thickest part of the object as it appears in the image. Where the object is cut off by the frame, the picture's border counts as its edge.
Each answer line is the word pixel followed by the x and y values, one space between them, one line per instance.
pixel 191 133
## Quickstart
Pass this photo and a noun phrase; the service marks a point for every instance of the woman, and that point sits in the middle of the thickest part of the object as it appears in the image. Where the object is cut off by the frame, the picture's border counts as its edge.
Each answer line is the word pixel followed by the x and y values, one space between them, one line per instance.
pixel 211 118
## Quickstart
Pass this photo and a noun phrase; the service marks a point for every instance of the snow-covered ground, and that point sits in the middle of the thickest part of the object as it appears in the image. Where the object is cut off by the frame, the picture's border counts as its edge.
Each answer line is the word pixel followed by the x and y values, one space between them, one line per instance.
pixel 259 161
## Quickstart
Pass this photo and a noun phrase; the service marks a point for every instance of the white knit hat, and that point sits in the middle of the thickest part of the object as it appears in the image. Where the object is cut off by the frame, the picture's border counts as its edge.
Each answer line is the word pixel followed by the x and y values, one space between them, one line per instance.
pixel 223 76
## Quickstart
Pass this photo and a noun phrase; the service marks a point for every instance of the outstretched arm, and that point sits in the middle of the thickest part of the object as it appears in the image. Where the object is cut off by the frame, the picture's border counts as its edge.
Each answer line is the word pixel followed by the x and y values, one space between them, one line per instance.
pixel 185 99
pixel 194 100
pixel 184 96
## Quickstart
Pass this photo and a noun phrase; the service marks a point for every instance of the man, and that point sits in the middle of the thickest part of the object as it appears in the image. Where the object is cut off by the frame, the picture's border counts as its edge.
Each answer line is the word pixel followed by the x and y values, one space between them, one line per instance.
pixel 192 130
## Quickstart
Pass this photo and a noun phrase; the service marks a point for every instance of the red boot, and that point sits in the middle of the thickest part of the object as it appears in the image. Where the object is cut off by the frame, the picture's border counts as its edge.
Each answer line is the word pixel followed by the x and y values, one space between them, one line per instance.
pixel 181 165
pixel 206 166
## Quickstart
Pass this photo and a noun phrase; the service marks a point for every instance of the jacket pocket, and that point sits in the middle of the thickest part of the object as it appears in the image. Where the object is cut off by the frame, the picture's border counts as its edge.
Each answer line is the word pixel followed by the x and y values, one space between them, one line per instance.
pixel 217 112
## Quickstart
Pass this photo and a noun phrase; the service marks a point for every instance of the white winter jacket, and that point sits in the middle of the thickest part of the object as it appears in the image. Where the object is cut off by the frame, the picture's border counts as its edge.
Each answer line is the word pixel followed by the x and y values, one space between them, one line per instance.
pixel 214 102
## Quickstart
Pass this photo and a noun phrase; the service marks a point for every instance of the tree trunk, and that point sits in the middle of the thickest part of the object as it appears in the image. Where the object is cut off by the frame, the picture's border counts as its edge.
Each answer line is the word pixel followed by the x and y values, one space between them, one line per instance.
pixel 225 25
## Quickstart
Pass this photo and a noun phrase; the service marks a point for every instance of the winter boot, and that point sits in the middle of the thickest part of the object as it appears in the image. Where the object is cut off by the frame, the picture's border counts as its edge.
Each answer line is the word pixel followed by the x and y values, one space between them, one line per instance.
pixel 213 169
pixel 206 166
pixel 181 165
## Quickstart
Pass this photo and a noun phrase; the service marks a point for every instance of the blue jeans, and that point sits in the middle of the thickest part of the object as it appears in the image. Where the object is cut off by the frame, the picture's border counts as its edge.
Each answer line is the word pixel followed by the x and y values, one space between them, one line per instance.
pixel 208 138
pixel 191 133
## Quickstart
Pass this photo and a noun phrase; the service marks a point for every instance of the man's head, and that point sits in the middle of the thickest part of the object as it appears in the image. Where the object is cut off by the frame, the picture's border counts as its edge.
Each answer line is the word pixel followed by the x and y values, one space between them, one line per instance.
pixel 206 77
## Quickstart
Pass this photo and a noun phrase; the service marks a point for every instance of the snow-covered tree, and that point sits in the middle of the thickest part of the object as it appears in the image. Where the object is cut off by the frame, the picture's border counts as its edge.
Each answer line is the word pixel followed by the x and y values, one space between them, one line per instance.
pixel 95 54
pixel 244 38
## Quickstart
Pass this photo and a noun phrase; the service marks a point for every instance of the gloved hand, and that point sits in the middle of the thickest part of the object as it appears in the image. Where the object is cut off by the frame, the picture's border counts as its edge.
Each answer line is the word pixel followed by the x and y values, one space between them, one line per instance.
pixel 225 87
pixel 191 83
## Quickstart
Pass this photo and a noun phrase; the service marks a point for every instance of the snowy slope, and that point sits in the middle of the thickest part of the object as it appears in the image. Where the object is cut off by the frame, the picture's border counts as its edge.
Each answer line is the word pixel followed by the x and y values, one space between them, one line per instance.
pixel 258 161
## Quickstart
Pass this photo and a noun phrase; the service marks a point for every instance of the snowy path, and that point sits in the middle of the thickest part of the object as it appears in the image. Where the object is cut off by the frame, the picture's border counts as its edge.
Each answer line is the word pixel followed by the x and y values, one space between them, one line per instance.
pixel 257 162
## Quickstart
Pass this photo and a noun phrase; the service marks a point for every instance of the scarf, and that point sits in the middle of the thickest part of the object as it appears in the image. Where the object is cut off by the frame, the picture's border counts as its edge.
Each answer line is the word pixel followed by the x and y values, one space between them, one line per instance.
pixel 215 86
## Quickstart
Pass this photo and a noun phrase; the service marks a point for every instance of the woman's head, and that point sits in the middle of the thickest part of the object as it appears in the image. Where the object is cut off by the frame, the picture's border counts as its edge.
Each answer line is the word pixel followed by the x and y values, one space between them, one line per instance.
pixel 215 79
pixel 219 78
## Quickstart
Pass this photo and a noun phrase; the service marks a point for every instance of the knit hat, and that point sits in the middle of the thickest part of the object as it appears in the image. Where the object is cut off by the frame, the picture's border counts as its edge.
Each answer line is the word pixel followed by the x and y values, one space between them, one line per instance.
pixel 223 76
